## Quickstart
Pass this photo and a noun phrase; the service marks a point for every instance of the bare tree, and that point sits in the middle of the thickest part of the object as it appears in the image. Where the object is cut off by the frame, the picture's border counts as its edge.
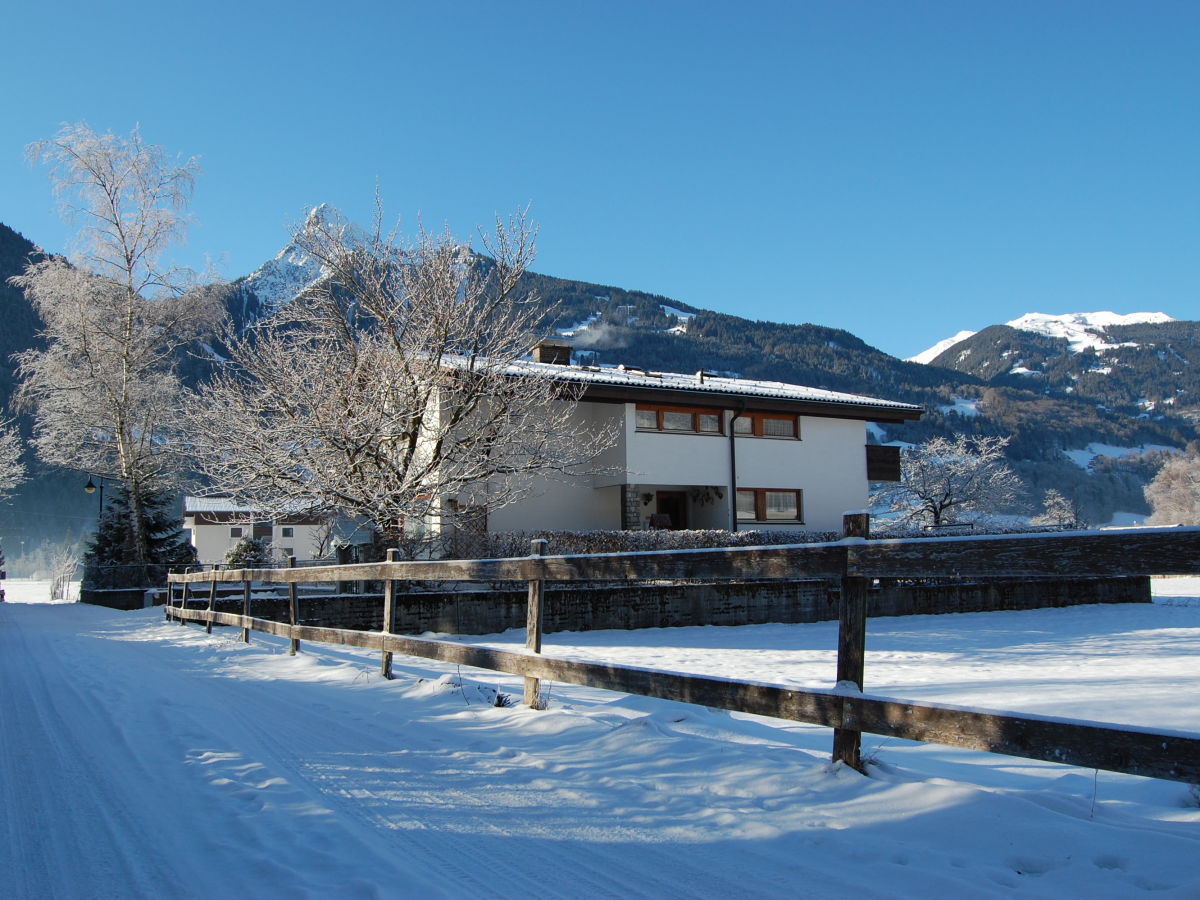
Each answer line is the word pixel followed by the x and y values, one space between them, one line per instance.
pixel 1174 494
pixel 945 479
pixel 12 468
pixel 64 565
pixel 104 387
pixel 392 390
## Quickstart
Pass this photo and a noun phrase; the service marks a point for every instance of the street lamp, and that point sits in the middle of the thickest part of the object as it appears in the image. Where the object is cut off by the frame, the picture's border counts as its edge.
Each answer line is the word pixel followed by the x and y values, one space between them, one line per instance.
pixel 90 488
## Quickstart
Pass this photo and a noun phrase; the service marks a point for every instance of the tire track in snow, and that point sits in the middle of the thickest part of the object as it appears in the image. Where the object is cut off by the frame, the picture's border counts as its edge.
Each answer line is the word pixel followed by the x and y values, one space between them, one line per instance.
pixel 69 811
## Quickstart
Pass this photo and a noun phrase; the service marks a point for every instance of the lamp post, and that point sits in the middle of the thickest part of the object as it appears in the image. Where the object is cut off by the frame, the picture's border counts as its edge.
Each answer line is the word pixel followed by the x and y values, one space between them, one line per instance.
pixel 90 488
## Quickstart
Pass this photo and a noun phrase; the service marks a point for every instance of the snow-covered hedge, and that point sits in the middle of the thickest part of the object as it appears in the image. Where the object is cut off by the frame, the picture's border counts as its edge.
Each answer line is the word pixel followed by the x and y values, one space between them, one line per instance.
pixel 516 543
pixel 968 529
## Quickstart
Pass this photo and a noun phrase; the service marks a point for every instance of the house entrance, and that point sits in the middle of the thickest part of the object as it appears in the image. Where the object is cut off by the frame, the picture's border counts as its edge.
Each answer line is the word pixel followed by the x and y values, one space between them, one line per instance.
pixel 673 508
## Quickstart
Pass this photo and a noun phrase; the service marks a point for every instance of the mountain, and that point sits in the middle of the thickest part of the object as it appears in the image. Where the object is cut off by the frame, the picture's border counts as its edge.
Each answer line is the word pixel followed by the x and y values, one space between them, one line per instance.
pixel 1089 400
pixel 928 356
pixel 1145 365
pixel 278 280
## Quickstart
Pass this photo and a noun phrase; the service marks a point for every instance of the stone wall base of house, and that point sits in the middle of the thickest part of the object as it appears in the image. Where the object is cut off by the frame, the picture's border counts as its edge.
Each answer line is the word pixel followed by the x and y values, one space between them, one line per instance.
pixel 675 604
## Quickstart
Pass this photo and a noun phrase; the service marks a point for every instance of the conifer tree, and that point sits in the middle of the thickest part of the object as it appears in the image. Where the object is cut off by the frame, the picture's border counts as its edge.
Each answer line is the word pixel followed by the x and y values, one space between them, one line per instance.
pixel 112 560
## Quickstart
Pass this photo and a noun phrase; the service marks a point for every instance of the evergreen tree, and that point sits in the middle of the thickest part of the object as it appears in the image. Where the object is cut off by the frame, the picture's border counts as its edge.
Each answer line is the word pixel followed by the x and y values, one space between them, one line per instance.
pixel 249 553
pixel 111 560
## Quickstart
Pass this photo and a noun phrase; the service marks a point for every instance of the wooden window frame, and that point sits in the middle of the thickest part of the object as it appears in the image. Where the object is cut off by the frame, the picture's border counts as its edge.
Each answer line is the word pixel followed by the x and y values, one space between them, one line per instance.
pixel 756 420
pixel 760 505
pixel 694 411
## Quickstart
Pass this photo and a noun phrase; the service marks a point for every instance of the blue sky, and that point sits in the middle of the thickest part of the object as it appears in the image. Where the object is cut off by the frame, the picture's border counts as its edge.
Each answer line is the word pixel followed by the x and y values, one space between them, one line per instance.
pixel 902 170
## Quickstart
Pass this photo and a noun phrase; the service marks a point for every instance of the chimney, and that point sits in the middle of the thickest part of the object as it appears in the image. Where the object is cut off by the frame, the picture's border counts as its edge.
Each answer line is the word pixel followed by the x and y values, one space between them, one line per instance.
pixel 552 350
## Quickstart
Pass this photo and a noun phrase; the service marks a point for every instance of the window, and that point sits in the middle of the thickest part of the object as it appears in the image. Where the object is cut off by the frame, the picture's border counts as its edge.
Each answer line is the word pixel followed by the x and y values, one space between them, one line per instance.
pixel 235 531
pixel 287 531
pixel 774 425
pixel 768 505
pixel 779 427
pixel 781 505
pixel 678 419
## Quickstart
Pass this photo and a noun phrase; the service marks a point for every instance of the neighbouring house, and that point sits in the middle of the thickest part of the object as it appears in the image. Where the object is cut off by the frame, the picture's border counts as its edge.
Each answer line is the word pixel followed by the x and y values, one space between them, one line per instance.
pixel 216 524
pixel 702 451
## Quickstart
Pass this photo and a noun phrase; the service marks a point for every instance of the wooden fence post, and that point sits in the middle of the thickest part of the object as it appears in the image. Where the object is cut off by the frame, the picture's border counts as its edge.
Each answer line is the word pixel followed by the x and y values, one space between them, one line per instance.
pixel 533 624
pixel 293 612
pixel 183 599
pixel 389 615
pixel 852 643
pixel 212 598
pixel 246 610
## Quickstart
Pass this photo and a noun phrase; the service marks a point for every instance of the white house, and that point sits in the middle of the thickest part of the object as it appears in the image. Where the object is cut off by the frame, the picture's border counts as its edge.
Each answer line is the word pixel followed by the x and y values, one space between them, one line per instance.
pixel 216 524
pixel 706 451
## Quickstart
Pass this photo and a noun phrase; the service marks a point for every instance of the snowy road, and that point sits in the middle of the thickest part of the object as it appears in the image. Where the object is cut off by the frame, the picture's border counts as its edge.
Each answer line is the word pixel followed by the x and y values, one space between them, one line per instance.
pixel 139 759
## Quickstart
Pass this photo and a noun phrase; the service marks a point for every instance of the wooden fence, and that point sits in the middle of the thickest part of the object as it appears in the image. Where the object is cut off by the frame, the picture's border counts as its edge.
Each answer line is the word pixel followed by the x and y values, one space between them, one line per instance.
pixel 853 562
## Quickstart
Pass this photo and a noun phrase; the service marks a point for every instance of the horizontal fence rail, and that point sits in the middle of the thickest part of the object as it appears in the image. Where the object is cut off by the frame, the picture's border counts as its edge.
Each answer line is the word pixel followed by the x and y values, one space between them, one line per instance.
pixel 852 561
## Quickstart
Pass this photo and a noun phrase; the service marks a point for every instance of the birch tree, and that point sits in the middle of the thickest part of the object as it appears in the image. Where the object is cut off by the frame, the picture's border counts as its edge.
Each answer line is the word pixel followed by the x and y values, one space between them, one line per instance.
pixel 393 389
pixel 104 389
pixel 944 480
pixel 12 468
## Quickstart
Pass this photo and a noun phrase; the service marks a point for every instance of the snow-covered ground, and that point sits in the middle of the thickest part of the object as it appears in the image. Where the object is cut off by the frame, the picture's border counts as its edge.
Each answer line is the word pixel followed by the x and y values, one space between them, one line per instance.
pixel 142 759
pixel 1083 458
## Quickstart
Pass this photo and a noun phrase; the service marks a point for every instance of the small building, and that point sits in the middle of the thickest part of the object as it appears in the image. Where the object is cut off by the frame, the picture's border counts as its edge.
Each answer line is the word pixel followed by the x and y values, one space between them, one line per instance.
pixel 216 524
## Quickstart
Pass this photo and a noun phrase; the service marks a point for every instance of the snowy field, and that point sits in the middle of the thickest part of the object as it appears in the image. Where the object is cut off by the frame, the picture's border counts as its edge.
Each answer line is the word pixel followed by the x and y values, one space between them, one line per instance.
pixel 140 759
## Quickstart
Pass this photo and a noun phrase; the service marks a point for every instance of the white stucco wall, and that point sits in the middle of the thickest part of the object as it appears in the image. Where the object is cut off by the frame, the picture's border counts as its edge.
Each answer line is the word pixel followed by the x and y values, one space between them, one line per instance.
pixel 212 542
pixel 828 464
pixel 589 502
pixel 556 506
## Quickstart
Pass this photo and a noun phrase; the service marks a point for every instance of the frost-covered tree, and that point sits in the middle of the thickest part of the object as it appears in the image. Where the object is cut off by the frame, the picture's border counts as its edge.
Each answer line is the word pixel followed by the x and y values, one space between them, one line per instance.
pixel 391 390
pixel 103 386
pixel 1174 494
pixel 1056 510
pixel 12 469
pixel 946 480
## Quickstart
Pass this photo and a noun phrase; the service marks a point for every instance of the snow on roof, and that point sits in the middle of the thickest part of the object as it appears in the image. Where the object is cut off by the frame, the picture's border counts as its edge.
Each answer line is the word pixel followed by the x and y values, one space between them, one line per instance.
pixel 704 383
pixel 214 504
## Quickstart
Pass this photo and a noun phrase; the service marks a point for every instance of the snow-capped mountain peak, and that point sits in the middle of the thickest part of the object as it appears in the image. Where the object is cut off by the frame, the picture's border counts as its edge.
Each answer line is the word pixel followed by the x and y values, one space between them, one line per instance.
pixel 927 356
pixel 1083 330
pixel 292 270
